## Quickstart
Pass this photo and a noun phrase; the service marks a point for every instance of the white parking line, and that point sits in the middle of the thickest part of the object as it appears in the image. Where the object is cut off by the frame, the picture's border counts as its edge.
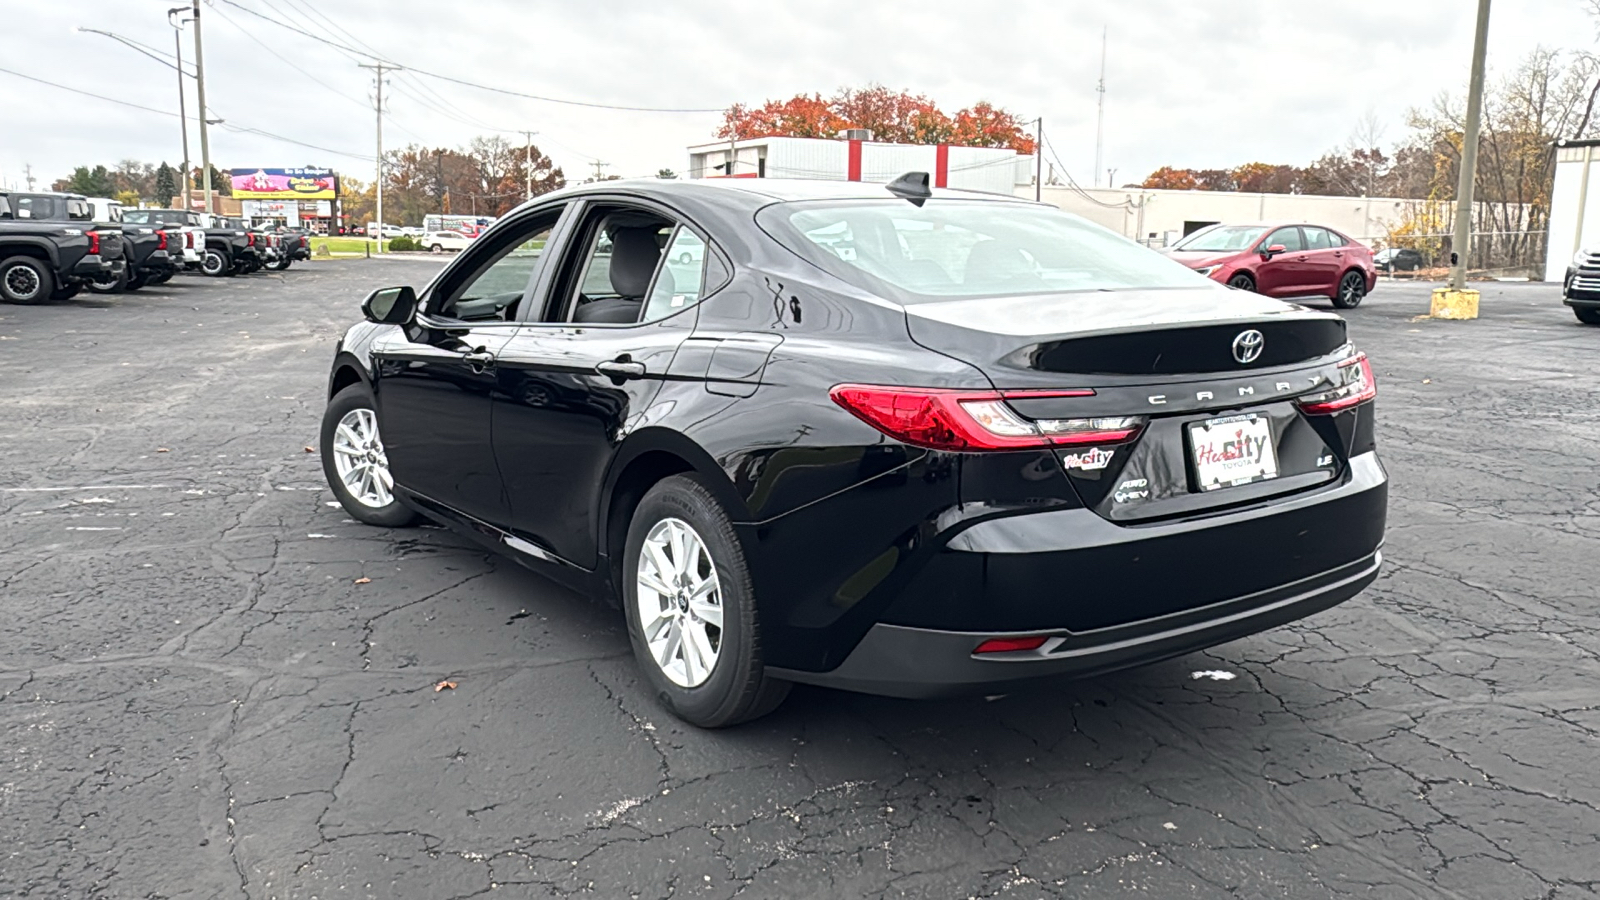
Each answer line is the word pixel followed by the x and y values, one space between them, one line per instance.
pixel 86 487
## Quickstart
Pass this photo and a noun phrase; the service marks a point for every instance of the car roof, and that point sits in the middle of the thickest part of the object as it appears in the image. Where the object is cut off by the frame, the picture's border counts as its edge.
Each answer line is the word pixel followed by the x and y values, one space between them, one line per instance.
pixel 771 189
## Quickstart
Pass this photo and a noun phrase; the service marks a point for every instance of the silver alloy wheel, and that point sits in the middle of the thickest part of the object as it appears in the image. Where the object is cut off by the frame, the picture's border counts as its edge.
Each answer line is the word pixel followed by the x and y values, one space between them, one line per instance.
pixel 359 459
pixel 211 263
pixel 23 282
pixel 680 603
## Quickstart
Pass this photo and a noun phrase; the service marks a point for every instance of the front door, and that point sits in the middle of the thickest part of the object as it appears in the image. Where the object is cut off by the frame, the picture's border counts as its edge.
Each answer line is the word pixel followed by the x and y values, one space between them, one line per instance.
pixel 436 380
pixel 1284 275
pixel 574 385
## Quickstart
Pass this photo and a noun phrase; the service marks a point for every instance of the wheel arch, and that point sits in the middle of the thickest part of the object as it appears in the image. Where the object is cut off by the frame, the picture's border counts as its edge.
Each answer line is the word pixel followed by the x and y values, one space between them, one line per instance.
pixel 646 457
pixel 37 249
pixel 347 370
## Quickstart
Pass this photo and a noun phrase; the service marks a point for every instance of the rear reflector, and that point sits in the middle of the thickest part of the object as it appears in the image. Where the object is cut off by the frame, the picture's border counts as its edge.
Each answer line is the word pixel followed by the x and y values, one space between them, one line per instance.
pixel 970 421
pixel 1357 388
pixel 1009 645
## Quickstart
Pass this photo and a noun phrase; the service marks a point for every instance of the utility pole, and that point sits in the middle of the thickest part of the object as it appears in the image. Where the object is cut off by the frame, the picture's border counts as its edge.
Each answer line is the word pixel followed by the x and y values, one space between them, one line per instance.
pixel 183 116
pixel 27 174
pixel 1100 116
pixel 1038 160
pixel 200 89
pixel 527 166
pixel 598 168
pixel 377 68
pixel 438 182
pixel 1455 301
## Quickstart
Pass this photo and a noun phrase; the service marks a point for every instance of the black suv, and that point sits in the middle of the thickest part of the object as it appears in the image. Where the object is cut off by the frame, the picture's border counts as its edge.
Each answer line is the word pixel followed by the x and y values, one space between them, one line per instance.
pixel 42 260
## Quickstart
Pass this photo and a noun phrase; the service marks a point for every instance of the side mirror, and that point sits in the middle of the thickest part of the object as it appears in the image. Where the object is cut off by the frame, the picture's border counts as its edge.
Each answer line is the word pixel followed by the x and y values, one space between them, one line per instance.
pixel 390 306
pixel 1274 250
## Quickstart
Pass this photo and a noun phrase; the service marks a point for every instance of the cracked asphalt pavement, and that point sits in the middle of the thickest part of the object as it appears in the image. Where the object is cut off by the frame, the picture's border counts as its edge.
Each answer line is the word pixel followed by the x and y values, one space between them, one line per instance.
pixel 199 700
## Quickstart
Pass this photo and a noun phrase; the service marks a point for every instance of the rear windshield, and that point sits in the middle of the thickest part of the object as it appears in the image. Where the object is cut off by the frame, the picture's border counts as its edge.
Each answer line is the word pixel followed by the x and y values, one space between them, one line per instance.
pixel 155 217
pixel 1221 238
pixel 953 249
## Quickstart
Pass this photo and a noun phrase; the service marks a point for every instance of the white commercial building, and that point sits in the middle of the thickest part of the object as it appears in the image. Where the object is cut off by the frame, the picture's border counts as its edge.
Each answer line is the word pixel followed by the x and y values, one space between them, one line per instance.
pixel 1574 206
pixel 990 169
pixel 1160 217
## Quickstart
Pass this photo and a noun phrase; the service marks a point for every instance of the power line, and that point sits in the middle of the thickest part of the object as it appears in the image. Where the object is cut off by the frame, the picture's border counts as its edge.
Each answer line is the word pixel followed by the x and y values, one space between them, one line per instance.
pixel 164 112
pixel 1077 188
pixel 464 82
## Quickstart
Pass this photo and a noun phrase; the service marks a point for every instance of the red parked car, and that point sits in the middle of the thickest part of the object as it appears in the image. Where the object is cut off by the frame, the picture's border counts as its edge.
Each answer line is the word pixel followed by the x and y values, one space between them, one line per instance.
pixel 1284 260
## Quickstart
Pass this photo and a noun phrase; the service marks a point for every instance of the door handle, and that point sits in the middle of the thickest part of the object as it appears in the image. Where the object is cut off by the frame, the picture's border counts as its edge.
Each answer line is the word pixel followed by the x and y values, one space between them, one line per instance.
pixel 478 360
pixel 621 369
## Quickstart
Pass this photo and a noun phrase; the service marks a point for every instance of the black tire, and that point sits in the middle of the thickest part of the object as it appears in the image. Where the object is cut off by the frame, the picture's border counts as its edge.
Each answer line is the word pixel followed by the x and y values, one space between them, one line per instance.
pixel 1351 291
pixel 111 287
pixel 280 265
pixel 216 263
pixel 163 277
pixel 685 258
pixel 1242 281
pixel 436 248
pixel 68 292
pixel 738 688
pixel 1588 315
pixel 25 280
pixel 395 514
pixel 138 281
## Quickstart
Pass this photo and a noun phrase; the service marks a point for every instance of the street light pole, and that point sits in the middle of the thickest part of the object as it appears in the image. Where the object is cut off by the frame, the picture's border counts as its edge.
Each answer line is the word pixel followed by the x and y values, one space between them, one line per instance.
pixel 1469 154
pixel 200 90
pixel 183 117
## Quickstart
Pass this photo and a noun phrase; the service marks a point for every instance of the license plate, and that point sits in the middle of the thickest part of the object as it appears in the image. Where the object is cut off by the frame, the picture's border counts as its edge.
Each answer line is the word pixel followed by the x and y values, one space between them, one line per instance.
pixel 1232 451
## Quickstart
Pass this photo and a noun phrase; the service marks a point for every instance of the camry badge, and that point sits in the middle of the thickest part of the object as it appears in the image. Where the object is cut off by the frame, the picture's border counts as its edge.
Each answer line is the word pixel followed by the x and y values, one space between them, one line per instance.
pixel 1247 346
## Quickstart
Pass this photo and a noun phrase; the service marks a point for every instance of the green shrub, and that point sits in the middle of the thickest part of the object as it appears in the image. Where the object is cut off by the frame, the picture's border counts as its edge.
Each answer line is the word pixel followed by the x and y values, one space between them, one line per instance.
pixel 405 243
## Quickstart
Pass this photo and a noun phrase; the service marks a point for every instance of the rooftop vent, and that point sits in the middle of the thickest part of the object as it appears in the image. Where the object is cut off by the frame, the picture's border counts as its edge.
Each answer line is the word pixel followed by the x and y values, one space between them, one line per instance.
pixel 858 134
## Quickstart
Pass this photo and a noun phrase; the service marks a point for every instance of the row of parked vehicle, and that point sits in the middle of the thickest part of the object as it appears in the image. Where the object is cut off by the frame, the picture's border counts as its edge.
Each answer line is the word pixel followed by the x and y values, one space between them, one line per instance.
pixel 53 246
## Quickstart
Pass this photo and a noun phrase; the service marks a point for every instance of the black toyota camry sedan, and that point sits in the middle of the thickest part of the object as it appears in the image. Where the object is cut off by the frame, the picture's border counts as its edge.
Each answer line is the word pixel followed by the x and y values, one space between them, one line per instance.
pixel 882 438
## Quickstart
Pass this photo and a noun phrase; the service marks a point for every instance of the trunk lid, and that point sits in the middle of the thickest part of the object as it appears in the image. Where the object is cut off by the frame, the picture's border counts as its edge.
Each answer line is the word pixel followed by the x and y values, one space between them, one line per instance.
pixel 1167 356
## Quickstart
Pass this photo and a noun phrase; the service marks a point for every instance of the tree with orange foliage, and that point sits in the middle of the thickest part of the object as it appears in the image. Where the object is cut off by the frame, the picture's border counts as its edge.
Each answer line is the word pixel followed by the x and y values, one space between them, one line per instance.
pixel 1170 179
pixel 899 117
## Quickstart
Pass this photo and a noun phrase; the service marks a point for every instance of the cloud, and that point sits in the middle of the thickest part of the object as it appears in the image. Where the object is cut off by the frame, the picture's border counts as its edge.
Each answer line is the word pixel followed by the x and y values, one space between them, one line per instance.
pixel 1193 84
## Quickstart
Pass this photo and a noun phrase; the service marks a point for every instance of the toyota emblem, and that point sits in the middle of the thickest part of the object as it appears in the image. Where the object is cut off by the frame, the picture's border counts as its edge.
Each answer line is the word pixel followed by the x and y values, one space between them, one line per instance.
pixel 1247 346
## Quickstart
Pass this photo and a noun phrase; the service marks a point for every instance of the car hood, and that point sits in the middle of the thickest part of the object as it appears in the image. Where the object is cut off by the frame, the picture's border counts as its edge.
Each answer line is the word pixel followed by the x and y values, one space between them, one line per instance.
pixel 1024 341
pixel 1199 259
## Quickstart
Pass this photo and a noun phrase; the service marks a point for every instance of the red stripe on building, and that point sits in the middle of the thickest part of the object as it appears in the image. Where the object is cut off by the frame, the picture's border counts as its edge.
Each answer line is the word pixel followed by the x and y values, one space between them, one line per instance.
pixel 941 166
pixel 854 172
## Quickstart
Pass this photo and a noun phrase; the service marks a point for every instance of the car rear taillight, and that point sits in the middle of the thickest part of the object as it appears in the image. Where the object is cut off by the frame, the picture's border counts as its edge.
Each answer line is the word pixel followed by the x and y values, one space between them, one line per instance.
pixel 968 421
pixel 94 243
pixel 250 239
pixel 189 238
pixel 1011 645
pixel 163 244
pixel 1357 387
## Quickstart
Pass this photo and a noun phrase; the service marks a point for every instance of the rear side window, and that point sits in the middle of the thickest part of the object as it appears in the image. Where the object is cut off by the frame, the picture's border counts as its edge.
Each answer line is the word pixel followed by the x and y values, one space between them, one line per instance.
pixel 681 278
pixel 954 249
pixel 1317 238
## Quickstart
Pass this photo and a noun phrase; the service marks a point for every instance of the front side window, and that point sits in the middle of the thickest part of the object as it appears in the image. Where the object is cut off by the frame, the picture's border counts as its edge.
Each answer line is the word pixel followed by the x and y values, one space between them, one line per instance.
pixel 493 289
pixel 1288 237
pixel 960 249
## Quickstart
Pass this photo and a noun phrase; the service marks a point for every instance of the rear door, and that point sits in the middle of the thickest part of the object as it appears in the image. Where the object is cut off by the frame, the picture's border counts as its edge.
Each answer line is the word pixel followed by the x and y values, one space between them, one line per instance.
pixel 1284 275
pixel 1324 260
pixel 571 390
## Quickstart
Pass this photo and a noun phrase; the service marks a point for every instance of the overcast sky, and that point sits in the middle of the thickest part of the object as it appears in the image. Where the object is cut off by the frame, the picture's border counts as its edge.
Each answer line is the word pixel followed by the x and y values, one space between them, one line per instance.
pixel 1197 83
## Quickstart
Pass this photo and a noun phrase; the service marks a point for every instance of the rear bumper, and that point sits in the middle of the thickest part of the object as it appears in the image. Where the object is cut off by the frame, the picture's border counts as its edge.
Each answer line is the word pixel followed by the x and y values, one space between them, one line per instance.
pixel 91 266
pixel 901 661
pixel 1107 596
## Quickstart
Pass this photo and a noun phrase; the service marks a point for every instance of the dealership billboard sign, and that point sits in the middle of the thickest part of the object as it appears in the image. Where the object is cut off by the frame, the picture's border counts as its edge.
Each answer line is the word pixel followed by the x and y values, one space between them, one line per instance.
pixel 284 184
